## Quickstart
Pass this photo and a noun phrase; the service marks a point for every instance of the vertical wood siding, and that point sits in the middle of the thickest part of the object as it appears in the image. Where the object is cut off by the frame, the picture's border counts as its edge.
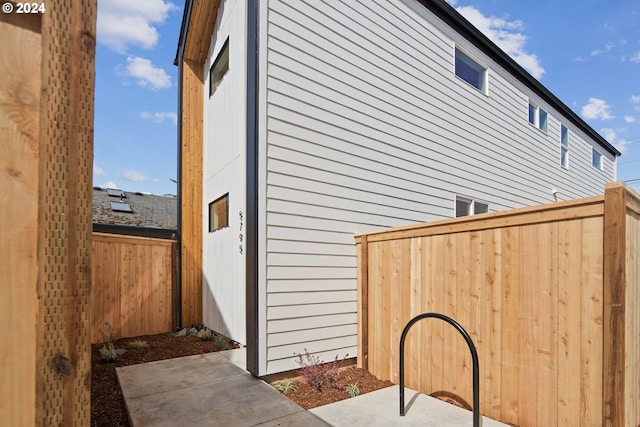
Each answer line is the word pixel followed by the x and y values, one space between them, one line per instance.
pixel 134 285
pixel 532 286
pixel 368 127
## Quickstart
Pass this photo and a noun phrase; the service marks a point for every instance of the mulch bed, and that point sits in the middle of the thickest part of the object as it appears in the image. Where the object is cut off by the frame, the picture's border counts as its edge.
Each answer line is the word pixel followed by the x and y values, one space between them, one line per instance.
pixel 107 403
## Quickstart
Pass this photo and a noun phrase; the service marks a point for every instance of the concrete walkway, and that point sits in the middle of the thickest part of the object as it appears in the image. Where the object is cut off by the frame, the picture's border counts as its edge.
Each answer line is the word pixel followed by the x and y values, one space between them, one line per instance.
pixel 213 389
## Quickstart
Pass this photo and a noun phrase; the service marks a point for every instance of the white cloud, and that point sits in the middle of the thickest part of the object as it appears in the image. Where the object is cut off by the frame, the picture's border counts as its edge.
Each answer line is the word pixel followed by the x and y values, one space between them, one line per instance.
pixel 145 73
pixel 597 109
pixel 98 171
pixel 611 136
pixel 507 35
pixel 109 184
pixel 629 119
pixel 635 99
pixel 635 57
pixel 136 176
pixel 160 116
pixel 607 48
pixel 125 22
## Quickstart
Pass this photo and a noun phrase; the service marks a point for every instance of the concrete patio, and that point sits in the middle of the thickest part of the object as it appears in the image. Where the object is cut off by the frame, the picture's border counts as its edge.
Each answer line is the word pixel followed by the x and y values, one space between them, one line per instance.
pixel 214 389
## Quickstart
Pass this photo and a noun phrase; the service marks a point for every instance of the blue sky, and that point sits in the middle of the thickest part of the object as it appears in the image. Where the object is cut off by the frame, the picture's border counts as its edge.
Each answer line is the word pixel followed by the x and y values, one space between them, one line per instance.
pixel 587 52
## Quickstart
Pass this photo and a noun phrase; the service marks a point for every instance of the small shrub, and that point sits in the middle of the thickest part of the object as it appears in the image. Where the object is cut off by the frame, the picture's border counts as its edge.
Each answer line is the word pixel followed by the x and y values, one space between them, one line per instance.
pixel 317 373
pixel 108 351
pixel 138 344
pixel 206 334
pixel 284 385
pixel 222 343
pixel 352 390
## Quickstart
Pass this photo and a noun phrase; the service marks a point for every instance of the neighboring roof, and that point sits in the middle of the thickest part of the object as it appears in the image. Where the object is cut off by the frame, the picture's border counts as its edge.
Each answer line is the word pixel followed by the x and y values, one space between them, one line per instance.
pixel 147 210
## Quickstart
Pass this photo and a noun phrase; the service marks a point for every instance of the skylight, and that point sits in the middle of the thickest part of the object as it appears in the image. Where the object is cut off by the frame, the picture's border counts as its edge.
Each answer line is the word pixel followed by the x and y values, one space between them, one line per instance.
pixel 121 207
pixel 116 193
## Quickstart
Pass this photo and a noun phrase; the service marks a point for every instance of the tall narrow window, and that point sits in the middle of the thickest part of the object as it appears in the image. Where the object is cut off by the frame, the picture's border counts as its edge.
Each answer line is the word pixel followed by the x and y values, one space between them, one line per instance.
pixel 219 68
pixel 564 147
pixel 596 158
pixel 219 213
pixel 470 71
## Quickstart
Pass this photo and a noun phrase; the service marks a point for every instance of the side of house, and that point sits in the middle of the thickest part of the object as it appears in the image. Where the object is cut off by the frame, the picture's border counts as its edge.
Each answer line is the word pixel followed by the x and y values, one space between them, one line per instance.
pixel 224 174
pixel 367 115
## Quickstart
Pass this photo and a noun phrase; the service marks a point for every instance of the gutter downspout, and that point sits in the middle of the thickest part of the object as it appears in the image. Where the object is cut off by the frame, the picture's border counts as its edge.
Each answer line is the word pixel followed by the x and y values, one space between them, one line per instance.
pixel 251 261
pixel 178 61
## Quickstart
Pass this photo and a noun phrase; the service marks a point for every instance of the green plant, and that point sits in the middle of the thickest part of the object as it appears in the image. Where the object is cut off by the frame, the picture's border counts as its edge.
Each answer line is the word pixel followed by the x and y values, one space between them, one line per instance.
pixel 353 390
pixel 138 344
pixel 108 351
pixel 284 386
pixel 317 373
pixel 222 343
pixel 206 334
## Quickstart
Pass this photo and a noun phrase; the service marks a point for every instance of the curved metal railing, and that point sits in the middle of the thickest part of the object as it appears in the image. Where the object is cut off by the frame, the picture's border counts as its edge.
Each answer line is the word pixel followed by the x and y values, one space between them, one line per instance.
pixel 474 358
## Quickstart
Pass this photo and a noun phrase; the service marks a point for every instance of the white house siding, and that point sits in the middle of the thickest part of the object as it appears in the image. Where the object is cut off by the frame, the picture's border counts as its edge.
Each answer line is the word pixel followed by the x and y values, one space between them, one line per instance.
pixel 368 127
pixel 224 172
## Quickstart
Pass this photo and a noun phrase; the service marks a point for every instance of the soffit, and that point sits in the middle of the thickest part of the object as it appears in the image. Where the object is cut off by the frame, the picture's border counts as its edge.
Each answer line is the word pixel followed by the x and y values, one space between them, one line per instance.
pixel 199 29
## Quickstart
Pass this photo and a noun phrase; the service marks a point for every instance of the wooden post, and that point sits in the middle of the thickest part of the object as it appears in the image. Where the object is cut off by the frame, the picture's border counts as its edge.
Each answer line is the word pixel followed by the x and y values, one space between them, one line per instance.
pixel 46 120
pixel 614 305
pixel 20 88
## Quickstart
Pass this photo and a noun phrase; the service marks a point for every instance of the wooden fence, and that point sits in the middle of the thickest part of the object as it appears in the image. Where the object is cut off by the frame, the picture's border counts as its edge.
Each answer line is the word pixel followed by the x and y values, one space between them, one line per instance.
pixel 549 295
pixel 134 285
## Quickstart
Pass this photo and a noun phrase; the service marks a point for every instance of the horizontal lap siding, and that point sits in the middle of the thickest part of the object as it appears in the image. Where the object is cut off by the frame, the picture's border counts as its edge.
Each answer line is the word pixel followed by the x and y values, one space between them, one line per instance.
pixel 367 127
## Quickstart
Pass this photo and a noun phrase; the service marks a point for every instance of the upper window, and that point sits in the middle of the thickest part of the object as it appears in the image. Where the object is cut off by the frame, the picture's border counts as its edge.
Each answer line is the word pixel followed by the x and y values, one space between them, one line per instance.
pixel 564 146
pixel 471 71
pixel 538 117
pixel 596 158
pixel 465 207
pixel 219 213
pixel 219 68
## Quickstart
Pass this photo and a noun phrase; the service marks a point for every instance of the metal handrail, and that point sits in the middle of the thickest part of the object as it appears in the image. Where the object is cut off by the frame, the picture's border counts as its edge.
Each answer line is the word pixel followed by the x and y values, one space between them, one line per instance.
pixel 474 358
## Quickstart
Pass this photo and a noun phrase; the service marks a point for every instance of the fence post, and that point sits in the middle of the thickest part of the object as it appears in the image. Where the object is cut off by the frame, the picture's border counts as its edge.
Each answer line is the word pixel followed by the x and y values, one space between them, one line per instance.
pixel 614 272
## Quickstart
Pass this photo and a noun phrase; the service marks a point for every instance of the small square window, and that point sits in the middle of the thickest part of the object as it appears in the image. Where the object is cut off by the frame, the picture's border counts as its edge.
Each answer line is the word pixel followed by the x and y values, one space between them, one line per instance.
pixel 463 207
pixel 470 71
pixel 480 208
pixel 219 213
pixel 219 68
pixel 466 207
pixel 538 117
pixel 596 158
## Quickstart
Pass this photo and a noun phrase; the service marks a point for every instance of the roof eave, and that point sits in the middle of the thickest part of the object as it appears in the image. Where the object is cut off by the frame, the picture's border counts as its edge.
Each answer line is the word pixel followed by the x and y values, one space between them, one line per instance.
pixel 460 24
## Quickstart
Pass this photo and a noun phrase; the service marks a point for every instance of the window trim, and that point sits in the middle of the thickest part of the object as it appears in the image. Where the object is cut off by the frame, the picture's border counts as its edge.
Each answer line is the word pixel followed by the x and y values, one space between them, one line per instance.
pixel 212 206
pixel 215 75
pixel 467 57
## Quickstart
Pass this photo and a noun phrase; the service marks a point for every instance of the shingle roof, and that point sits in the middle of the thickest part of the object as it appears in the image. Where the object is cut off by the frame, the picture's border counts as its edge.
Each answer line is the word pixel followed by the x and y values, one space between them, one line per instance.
pixel 148 210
